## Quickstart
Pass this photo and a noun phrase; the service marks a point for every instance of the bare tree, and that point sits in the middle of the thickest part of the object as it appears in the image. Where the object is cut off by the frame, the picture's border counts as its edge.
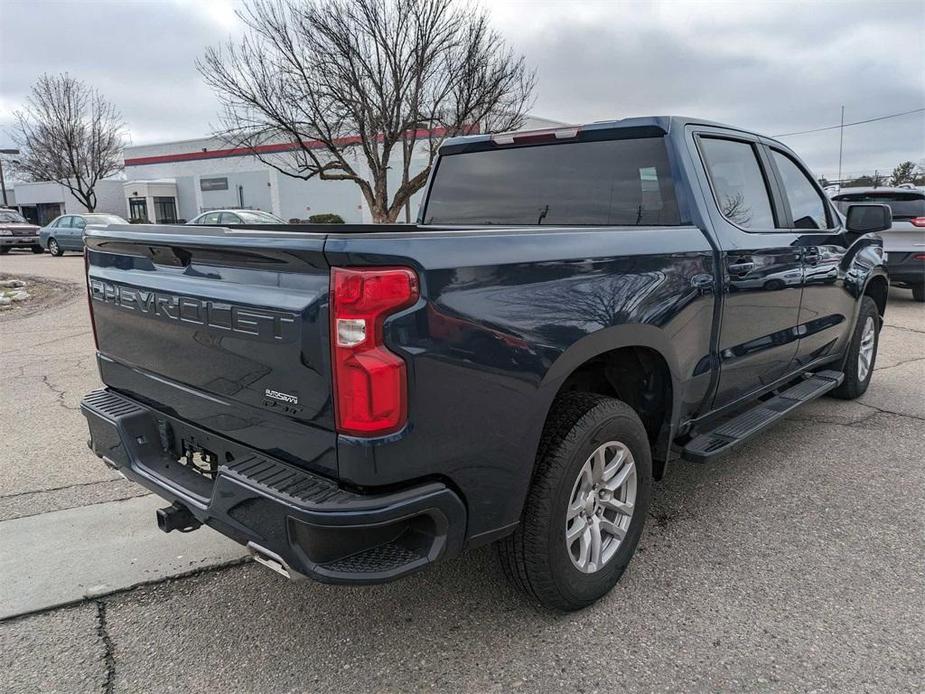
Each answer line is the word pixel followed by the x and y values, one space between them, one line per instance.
pixel 340 82
pixel 71 134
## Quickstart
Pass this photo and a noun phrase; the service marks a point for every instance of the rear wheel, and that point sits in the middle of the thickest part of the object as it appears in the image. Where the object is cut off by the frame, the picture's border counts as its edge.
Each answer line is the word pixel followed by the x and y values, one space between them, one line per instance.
pixel 918 292
pixel 586 506
pixel 4 250
pixel 862 352
pixel 38 249
pixel 54 248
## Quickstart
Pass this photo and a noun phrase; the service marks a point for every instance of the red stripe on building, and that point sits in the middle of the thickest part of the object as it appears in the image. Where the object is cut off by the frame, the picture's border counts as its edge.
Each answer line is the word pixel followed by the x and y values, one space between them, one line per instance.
pixel 263 149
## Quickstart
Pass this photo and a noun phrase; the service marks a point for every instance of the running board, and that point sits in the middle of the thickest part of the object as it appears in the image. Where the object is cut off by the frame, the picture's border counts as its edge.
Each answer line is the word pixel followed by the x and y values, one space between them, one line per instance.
pixel 734 431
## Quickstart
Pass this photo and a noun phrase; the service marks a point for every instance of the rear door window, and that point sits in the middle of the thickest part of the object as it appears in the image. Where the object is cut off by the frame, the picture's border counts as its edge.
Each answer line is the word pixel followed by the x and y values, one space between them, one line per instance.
pixel 230 218
pixel 738 183
pixel 807 206
pixel 609 182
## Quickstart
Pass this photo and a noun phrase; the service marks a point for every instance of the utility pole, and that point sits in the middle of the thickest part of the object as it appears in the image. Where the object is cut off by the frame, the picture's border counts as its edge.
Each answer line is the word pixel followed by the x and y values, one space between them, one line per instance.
pixel 841 142
pixel 3 182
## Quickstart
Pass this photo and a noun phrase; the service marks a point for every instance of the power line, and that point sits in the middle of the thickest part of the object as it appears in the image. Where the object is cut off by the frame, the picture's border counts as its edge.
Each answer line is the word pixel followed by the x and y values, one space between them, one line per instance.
pixel 860 122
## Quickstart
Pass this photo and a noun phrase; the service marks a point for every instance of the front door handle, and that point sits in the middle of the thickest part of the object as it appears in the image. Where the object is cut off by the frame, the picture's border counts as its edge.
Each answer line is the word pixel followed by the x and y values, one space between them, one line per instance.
pixel 741 268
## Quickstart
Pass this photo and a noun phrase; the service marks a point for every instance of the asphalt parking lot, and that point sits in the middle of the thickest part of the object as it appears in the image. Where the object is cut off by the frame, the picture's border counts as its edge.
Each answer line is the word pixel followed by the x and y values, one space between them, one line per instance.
pixel 795 563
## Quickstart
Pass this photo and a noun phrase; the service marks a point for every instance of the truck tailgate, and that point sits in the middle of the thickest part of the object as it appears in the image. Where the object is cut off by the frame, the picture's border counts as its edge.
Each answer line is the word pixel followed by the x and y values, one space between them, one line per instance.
pixel 224 328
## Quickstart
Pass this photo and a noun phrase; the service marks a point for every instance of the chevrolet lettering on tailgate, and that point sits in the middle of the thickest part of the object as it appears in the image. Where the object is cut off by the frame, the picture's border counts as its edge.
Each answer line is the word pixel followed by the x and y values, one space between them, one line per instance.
pixel 260 324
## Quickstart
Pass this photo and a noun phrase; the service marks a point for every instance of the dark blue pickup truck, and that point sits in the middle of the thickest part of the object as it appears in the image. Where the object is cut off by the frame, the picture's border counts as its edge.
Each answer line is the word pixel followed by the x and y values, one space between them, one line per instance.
pixel 574 309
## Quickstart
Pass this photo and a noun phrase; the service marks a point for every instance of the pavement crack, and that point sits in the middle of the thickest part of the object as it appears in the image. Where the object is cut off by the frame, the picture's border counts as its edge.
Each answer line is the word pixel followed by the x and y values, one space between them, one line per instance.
pixel 55 489
pixel 883 411
pixel 900 363
pixel 903 327
pixel 109 660
pixel 59 393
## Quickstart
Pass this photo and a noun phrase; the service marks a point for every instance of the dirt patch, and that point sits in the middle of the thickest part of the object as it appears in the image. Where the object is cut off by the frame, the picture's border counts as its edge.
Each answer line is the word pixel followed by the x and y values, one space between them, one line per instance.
pixel 43 295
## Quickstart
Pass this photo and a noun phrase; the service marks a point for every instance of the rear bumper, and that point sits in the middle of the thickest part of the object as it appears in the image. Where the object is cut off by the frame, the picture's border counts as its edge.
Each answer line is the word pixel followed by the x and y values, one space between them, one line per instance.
pixel 303 520
pixel 903 269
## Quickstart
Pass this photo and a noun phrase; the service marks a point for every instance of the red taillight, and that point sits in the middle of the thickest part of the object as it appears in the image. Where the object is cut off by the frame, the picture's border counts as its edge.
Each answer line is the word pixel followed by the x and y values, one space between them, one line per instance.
pixel 370 385
pixel 919 256
pixel 918 221
pixel 96 341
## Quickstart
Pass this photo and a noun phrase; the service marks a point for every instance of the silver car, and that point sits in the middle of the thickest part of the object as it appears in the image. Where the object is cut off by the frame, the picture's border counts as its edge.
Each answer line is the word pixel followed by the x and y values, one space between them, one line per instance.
pixel 235 217
pixel 66 233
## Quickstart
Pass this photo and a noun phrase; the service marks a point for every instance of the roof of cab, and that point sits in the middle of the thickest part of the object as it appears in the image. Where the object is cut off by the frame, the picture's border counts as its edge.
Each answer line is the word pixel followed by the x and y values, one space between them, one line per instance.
pixel 663 123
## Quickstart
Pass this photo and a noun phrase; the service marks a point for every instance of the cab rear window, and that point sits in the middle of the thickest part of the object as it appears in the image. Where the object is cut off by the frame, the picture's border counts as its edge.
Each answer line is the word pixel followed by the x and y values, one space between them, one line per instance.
pixel 606 183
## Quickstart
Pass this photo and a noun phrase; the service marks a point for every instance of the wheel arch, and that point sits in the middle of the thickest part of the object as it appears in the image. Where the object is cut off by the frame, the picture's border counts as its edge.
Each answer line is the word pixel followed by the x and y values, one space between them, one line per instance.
pixel 634 363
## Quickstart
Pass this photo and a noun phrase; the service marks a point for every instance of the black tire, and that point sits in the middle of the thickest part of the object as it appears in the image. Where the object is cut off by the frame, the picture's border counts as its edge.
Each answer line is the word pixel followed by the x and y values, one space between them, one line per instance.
pixel 535 557
pixel 774 285
pixel 4 250
pixel 918 292
pixel 38 249
pixel 54 248
pixel 854 386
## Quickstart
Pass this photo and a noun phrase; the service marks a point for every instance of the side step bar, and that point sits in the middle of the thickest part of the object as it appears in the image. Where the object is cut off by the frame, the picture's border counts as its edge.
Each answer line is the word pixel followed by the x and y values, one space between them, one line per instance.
pixel 734 431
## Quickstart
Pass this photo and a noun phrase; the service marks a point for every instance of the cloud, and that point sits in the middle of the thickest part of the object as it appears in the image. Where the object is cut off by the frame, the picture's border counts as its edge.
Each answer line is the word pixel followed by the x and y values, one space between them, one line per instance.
pixel 773 66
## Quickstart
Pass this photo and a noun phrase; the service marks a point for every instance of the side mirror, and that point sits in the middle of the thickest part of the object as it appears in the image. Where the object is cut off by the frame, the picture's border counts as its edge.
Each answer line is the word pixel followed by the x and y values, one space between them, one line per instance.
pixel 864 219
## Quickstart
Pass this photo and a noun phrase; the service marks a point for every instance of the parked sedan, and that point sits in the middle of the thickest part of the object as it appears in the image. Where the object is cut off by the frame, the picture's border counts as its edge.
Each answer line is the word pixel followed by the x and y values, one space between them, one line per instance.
pixel 234 217
pixel 17 232
pixel 66 233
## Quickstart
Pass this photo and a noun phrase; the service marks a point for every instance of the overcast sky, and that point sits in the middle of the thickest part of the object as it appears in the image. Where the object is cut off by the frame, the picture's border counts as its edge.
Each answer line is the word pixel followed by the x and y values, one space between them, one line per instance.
pixel 776 67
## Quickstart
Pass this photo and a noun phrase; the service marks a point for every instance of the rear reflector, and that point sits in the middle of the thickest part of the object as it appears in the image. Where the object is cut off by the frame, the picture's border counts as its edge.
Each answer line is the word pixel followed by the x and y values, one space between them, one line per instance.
pixel 918 221
pixel 370 383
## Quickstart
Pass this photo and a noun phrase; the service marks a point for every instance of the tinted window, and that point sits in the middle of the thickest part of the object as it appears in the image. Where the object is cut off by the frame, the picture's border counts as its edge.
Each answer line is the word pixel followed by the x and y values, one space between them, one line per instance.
pixel 612 182
pixel 806 204
pixel 738 183
pixel 903 205
pixel 258 217
pixel 209 218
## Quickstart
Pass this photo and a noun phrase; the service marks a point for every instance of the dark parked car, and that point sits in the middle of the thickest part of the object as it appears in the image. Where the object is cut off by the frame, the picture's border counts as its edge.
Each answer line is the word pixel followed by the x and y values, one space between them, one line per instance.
pixel 17 232
pixel 235 218
pixel 904 242
pixel 66 233
pixel 575 309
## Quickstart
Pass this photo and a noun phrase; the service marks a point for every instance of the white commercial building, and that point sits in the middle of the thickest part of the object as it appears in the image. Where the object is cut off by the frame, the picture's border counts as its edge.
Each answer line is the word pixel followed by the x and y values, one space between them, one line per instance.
pixel 175 181
pixel 42 202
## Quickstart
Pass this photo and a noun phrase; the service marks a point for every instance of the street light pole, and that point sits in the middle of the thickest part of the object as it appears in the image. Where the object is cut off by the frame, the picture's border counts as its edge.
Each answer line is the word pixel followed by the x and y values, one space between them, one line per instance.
pixel 841 142
pixel 3 182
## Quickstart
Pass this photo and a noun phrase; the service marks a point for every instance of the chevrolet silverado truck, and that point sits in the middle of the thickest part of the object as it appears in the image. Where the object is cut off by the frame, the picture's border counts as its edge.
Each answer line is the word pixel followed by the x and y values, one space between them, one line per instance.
pixel 574 309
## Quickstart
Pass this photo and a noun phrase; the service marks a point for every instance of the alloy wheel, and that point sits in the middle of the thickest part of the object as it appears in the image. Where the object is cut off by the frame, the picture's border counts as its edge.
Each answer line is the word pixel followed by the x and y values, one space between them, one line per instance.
pixel 600 506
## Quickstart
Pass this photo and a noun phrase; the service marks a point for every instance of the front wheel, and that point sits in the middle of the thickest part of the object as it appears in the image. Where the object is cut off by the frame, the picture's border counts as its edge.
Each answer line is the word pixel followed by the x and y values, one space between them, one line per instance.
pixel 586 506
pixel 862 352
pixel 918 292
pixel 54 248
pixel 38 249
pixel 4 250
